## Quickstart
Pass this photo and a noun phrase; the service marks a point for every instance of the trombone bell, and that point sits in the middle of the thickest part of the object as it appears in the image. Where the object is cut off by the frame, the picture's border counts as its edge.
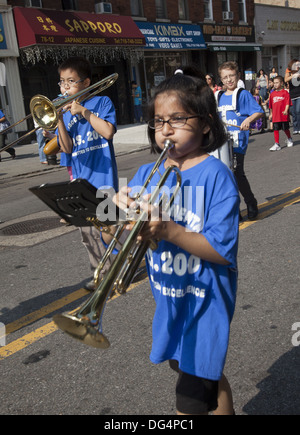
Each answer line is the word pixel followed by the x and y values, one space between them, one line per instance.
pixel 44 112
pixel 81 330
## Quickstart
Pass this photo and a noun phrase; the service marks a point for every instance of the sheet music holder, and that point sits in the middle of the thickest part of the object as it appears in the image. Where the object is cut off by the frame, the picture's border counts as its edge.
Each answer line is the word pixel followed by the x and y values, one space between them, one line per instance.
pixel 76 201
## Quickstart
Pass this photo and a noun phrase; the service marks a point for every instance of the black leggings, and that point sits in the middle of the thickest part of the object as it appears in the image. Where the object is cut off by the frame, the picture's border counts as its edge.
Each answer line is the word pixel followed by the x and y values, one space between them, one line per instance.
pixel 241 179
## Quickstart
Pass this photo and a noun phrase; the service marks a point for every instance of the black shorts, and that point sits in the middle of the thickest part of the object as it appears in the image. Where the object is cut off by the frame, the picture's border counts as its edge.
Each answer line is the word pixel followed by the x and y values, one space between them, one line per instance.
pixel 281 126
pixel 194 395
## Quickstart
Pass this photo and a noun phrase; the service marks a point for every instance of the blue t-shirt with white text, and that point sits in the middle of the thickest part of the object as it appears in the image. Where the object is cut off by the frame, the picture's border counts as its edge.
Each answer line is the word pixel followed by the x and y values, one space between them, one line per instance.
pixel 245 107
pixel 195 299
pixel 93 157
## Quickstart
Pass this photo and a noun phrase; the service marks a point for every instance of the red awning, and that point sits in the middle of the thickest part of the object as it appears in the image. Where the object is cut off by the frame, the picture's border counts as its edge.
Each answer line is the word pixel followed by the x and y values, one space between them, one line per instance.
pixel 51 27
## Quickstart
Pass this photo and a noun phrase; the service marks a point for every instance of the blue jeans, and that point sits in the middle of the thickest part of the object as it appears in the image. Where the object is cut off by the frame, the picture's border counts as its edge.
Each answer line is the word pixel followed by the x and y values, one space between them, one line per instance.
pixel 295 111
pixel 41 143
pixel 263 92
pixel 138 113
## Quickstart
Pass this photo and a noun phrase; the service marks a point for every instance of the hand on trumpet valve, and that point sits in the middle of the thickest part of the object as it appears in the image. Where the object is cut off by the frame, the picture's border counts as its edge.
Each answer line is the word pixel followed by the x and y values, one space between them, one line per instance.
pixel 157 223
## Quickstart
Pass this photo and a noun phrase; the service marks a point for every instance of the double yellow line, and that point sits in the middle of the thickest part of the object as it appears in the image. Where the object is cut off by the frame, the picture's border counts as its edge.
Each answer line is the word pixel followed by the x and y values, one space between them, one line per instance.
pixel 265 209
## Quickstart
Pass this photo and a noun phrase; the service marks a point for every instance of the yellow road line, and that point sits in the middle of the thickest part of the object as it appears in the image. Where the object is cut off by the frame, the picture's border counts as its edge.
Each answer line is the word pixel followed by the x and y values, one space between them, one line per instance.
pixel 275 200
pixel 44 311
pixel 45 330
pixel 49 328
pixel 269 212
pixel 27 340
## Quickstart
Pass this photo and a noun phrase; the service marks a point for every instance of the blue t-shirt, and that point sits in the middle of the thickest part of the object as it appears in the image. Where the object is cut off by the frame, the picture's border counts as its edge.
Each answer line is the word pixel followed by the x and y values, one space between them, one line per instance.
pixel 65 159
pixel 195 299
pixel 93 157
pixel 245 107
pixel 138 96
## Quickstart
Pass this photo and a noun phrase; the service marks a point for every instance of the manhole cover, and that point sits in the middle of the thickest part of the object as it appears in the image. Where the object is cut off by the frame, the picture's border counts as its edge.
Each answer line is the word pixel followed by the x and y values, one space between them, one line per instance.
pixel 30 226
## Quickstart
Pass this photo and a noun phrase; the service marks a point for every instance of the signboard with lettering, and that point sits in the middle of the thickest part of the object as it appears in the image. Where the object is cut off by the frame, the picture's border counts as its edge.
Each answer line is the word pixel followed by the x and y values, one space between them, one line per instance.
pixel 284 26
pixel 41 26
pixel 228 33
pixel 166 36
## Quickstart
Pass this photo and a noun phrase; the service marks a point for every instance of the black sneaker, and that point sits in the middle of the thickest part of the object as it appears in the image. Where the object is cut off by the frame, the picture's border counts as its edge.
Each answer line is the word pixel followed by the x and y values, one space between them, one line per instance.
pixel 252 211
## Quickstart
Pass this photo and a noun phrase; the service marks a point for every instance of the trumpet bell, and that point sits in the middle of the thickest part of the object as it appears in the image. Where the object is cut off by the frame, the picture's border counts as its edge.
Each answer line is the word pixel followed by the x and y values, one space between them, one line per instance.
pixel 44 112
pixel 81 330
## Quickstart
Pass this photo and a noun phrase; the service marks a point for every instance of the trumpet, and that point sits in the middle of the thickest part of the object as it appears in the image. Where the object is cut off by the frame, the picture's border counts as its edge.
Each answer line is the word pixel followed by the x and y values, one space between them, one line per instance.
pixel 46 112
pixel 86 324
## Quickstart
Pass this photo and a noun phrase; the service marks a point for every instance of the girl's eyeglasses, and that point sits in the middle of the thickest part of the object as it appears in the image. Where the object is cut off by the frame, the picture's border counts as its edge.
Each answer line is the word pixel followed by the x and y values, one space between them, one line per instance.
pixel 69 83
pixel 175 122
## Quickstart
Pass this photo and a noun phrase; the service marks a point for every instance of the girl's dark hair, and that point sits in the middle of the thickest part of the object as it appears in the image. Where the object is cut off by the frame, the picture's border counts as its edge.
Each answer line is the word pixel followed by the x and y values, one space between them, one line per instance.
pixel 197 98
pixel 79 64
pixel 213 80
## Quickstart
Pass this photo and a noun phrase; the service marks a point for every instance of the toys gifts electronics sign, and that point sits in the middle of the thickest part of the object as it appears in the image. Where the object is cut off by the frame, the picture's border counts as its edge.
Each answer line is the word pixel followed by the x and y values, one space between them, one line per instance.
pixel 163 36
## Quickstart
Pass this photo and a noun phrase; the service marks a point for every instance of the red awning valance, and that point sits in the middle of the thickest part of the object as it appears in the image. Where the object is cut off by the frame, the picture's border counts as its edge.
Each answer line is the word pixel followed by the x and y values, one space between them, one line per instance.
pixel 51 27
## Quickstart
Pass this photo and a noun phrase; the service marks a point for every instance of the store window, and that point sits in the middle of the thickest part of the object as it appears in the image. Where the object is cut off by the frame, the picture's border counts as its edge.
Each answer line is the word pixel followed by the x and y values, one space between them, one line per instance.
pixel 183 10
pixel 295 52
pixel 161 9
pixel 227 56
pixel 158 67
pixel 269 56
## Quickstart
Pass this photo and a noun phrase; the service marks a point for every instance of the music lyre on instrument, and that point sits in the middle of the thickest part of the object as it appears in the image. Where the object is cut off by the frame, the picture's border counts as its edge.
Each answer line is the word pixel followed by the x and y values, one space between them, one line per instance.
pixel 46 112
pixel 86 324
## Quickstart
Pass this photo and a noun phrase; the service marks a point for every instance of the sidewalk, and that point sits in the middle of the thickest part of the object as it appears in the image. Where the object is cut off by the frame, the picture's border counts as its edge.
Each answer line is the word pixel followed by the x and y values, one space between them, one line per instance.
pixel 128 139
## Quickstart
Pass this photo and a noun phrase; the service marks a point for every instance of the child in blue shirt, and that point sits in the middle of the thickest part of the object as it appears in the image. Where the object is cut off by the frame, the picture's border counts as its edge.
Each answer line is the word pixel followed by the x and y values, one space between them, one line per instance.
pixel 239 109
pixel 137 101
pixel 193 272
pixel 86 132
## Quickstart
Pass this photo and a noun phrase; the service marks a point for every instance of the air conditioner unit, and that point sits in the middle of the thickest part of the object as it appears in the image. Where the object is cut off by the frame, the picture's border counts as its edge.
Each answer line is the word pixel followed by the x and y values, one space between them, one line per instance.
pixel 227 16
pixel 103 8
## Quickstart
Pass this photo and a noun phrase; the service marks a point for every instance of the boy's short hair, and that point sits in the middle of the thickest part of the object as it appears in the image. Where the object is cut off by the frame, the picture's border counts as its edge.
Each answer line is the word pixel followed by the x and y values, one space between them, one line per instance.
pixel 279 78
pixel 229 65
pixel 79 64
pixel 196 98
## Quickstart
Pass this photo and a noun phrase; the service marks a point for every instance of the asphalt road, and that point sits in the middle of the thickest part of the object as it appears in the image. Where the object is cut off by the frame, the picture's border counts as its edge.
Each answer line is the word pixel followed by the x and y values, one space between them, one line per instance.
pixel 43 371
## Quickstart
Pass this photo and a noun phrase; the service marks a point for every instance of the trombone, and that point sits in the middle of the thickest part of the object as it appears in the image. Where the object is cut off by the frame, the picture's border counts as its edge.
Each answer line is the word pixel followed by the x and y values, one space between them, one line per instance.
pixel 86 324
pixel 46 112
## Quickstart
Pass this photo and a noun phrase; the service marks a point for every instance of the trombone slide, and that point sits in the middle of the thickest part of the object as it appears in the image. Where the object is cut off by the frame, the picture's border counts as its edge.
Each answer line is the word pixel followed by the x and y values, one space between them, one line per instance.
pixel 46 112
pixel 86 324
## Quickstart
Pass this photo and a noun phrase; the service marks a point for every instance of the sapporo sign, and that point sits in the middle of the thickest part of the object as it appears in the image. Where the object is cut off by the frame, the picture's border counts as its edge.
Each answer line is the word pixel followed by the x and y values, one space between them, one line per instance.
pixel 60 27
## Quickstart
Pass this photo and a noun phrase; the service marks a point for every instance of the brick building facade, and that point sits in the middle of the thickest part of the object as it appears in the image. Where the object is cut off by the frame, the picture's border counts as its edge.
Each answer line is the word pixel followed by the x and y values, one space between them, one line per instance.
pixel 203 32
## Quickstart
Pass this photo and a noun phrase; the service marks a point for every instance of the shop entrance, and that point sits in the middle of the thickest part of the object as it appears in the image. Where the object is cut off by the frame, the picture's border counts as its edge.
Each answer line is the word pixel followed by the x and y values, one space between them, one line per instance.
pixel 158 67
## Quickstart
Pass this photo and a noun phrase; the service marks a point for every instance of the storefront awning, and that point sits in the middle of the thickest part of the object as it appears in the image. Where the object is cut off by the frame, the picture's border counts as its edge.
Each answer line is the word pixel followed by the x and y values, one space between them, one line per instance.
pixel 166 36
pixel 52 27
pixel 237 47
